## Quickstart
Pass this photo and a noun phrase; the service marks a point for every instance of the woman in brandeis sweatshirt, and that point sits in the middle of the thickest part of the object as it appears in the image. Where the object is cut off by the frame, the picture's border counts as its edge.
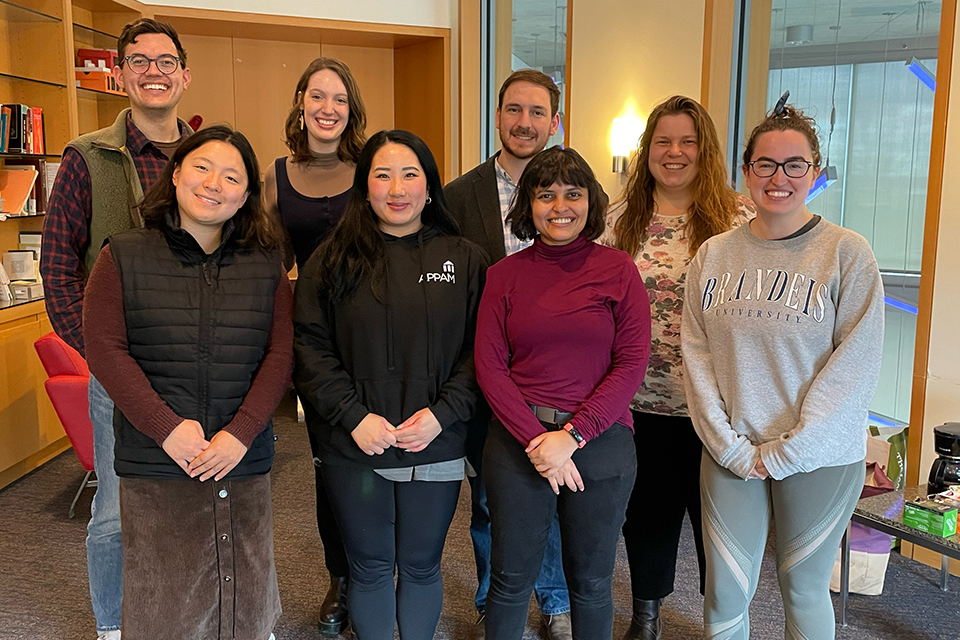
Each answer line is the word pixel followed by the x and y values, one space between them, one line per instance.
pixel 781 341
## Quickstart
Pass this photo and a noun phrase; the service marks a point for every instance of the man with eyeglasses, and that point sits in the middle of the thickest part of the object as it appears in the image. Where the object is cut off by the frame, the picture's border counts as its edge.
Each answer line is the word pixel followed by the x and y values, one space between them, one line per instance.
pixel 98 188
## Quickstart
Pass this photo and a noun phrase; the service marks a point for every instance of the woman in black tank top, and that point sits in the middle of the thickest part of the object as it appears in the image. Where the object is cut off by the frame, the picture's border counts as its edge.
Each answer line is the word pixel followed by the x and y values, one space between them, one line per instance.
pixel 308 190
pixel 324 131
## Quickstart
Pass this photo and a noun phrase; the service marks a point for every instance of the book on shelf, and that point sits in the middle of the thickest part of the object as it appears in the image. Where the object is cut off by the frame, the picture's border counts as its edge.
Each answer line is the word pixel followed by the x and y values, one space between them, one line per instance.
pixel 23 130
pixel 6 114
pixel 52 168
pixel 15 188
pixel 39 145
pixel 37 203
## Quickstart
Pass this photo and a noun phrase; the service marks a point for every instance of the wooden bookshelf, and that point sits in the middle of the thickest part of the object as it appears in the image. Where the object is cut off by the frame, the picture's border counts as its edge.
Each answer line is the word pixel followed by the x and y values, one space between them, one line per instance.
pixel 37 59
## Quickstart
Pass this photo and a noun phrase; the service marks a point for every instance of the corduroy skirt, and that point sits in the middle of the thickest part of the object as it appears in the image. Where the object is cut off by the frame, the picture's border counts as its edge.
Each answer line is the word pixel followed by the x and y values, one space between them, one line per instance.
pixel 198 559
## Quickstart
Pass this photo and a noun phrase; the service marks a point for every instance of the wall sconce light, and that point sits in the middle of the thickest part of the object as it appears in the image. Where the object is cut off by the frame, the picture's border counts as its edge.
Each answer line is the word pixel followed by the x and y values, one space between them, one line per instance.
pixel 926 76
pixel 828 175
pixel 624 138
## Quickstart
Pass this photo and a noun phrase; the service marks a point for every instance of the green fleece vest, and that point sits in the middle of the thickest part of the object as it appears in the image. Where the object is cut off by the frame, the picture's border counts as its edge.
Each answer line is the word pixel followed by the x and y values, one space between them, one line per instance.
pixel 115 192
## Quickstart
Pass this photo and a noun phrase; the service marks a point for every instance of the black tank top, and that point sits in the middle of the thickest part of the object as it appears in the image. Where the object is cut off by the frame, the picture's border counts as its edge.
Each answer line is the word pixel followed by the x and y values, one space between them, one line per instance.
pixel 307 220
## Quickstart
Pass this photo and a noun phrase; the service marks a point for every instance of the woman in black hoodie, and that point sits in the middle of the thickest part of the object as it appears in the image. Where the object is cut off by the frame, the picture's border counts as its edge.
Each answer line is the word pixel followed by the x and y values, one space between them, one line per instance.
pixel 384 319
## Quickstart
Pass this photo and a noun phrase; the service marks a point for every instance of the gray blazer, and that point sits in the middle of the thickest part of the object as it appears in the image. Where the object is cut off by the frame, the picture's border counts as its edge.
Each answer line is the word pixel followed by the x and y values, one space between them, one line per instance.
pixel 474 201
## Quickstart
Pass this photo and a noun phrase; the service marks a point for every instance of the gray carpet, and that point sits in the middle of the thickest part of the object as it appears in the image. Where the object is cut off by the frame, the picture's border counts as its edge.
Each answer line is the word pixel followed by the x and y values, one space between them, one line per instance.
pixel 43 587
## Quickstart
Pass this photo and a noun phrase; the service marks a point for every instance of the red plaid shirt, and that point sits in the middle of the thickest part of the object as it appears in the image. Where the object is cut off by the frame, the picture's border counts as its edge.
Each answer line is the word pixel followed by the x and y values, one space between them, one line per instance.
pixel 66 232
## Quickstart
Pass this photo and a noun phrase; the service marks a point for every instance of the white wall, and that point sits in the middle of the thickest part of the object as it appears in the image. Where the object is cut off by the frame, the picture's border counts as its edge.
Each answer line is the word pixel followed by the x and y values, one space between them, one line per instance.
pixel 422 13
pixel 624 53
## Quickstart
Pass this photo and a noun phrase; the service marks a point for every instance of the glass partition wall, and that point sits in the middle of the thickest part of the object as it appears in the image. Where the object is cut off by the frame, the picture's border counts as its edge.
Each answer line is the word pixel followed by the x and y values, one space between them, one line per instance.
pixel 521 34
pixel 865 69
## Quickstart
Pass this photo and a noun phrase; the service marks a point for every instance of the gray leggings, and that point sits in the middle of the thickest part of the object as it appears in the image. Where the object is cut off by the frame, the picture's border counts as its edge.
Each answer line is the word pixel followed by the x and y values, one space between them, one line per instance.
pixel 810 510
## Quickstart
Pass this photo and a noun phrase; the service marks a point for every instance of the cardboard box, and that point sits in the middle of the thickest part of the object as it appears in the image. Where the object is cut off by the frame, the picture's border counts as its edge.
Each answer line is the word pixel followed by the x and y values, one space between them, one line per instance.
pixel 26 290
pixel 932 517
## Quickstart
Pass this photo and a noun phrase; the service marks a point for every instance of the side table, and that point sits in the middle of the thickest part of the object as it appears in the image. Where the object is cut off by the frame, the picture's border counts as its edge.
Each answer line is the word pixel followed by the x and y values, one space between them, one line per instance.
pixel 885 513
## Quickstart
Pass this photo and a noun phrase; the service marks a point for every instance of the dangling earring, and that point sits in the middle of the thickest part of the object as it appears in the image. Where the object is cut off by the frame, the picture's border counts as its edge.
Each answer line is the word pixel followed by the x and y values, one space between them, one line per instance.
pixel 429 199
pixel 301 121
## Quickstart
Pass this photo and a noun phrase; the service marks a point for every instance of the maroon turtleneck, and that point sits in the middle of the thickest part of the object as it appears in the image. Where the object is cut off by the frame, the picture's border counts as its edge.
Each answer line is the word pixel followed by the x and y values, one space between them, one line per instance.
pixel 564 327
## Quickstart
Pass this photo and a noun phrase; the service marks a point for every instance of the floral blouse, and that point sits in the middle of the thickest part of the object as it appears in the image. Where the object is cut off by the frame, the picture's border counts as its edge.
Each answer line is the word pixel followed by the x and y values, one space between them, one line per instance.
pixel 662 260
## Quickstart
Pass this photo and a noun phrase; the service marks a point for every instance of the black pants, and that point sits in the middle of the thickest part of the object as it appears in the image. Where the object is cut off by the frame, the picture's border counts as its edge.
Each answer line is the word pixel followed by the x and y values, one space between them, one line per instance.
pixel 668 485
pixel 333 554
pixel 388 525
pixel 522 507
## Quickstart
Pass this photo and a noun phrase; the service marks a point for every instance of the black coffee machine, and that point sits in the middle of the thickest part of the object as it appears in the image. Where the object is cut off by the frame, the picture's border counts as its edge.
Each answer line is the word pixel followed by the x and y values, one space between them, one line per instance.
pixel 946 468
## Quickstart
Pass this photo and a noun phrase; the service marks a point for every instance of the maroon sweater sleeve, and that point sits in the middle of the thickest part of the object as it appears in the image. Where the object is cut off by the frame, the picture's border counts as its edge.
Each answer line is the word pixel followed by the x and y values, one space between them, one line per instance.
pixel 273 377
pixel 108 354
pixel 492 362
pixel 628 357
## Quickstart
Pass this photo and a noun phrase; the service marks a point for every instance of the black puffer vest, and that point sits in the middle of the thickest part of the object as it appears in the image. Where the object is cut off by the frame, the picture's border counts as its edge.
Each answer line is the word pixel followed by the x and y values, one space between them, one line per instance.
pixel 198 325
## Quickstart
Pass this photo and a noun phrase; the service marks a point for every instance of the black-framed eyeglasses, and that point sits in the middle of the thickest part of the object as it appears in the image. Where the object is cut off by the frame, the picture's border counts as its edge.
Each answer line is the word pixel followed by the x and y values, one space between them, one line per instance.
pixel 139 63
pixel 791 168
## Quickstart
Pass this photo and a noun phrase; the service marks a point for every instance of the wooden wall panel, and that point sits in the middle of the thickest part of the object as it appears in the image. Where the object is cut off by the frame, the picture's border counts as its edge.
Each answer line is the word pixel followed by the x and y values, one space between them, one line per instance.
pixel 373 70
pixel 210 94
pixel 421 97
pixel 266 74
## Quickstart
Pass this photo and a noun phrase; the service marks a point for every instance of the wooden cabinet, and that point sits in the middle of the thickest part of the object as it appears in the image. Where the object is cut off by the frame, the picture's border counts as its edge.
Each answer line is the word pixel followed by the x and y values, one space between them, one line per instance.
pixel 30 432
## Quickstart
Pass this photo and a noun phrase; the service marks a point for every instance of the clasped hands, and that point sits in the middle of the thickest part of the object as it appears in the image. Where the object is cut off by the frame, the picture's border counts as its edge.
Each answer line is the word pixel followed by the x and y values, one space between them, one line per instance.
pixel 375 434
pixel 550 453
pixel 759 471
pixel 198 456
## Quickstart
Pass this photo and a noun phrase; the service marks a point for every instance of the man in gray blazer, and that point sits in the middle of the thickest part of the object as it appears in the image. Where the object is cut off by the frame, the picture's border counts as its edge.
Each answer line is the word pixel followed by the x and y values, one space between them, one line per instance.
pixel 527 115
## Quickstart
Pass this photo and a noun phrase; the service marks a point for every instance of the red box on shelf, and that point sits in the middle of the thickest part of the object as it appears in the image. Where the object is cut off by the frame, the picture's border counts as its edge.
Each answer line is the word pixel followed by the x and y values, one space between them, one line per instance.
pixel 105 58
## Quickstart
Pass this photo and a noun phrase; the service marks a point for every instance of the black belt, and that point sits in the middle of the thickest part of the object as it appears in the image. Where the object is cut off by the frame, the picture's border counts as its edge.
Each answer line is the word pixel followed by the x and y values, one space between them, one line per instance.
pixel 551 415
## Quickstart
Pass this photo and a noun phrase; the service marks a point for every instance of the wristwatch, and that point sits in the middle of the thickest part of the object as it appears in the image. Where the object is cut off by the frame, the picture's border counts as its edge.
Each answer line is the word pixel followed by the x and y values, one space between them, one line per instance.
pixel 576 435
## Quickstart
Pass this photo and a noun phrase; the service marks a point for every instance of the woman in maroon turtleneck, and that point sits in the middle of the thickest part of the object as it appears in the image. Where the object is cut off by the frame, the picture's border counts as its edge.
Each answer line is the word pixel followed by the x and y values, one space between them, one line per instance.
pixel 563 336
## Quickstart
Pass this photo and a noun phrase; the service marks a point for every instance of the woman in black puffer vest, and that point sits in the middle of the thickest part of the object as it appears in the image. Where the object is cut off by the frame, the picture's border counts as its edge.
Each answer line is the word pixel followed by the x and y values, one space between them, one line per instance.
pixel 189 331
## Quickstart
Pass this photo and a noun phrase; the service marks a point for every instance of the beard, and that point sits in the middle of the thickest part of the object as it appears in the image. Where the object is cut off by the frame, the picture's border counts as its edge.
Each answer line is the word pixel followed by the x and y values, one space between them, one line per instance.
pixel 521 153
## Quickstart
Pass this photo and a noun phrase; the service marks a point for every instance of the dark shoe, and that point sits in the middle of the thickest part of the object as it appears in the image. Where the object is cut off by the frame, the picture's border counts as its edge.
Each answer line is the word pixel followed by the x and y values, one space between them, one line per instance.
pixel 477 630
pixel 333 611
pixel 557 627
pixel 646 620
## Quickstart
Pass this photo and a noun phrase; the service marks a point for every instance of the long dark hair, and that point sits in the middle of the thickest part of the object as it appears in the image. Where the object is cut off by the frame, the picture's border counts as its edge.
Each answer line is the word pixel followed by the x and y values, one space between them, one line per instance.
pixel 352 138
pixel 563 166
pixel 714 203
pixel 355 250
pixel 253 226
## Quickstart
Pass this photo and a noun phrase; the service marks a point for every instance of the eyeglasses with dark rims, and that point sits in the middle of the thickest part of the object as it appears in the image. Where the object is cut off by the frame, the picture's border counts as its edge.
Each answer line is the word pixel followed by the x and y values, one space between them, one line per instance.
pixel 791 168
pixel 139 63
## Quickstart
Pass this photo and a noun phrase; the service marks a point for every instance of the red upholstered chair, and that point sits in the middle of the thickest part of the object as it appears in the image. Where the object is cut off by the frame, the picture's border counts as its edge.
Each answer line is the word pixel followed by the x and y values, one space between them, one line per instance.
pixel 67 382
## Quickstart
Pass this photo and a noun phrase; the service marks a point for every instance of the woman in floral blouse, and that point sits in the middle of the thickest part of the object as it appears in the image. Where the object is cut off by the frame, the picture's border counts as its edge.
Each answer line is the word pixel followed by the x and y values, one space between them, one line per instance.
pixel 677 196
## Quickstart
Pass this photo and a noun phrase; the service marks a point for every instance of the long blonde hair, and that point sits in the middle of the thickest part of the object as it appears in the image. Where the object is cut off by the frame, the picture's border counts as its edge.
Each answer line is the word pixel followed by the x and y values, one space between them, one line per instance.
pixel 714 202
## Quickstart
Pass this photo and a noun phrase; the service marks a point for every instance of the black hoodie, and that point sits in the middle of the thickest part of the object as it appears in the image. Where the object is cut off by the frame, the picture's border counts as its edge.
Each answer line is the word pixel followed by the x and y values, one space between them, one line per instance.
pixel 393 358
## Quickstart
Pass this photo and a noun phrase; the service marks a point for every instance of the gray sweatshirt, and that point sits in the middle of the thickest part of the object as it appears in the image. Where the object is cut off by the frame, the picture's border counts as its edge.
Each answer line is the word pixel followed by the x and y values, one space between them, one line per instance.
pixel 781 343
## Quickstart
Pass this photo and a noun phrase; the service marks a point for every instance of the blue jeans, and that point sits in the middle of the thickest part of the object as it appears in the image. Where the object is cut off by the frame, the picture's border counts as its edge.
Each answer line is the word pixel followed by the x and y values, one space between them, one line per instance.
pixel 551 585
pixel 104 541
